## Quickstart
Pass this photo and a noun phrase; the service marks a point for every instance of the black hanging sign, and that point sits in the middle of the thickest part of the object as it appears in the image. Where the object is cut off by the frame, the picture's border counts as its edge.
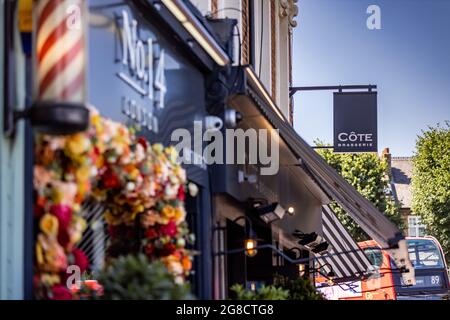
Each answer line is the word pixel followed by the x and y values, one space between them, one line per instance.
pixel 355 122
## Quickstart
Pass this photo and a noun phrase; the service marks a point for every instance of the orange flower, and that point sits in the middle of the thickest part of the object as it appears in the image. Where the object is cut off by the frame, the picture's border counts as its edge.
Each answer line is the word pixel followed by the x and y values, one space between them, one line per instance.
pixel 186 263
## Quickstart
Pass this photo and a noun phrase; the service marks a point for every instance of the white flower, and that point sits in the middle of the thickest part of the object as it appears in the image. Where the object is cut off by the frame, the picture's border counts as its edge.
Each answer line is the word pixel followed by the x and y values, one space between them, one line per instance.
pixel 139 153
pixel 193 189
pixel 181 242
pixel 171 191
pixel 130 186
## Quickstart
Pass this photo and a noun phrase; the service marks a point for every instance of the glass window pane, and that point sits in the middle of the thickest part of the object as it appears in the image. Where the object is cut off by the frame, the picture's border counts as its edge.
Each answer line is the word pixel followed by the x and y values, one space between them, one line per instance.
pixel 375 256
pixel 424 254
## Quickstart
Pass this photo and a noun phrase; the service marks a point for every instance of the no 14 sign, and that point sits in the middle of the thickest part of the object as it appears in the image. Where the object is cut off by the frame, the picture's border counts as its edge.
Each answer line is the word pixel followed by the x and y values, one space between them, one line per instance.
pixel 138 55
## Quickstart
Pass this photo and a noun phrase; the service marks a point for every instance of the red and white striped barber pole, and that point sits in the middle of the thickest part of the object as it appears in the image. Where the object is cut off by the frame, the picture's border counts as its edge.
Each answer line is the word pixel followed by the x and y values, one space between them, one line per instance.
pixel 60 30
pixel 60 60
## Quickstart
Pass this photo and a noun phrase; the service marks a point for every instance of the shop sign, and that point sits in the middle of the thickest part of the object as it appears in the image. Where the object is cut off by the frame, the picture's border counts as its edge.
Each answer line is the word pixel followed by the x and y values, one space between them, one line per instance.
pixel 142 74
pixel 355 122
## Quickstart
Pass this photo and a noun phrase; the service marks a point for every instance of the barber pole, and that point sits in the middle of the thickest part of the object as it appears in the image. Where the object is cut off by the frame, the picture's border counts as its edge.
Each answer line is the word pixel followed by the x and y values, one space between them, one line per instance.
pixel 60 51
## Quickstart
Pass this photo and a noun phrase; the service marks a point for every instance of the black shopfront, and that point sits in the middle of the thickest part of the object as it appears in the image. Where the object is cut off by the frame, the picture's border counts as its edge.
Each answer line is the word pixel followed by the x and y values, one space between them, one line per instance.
pixel 146 71
pixel 239 188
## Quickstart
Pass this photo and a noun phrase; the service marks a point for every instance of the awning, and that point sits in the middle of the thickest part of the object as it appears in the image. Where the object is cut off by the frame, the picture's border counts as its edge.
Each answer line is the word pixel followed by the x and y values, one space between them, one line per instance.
pixel 345 258
pixel 362 211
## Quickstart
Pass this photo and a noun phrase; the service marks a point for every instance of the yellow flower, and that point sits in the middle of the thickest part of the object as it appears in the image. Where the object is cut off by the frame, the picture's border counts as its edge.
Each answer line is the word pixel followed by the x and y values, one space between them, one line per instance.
pixel 111 218
pixel 50 279
pixel 129 217
pixel 49 225
pixel 135 173
pixel 180 214
pixel 168 212
pixel 162 220
pixel 82 174
pixel 76 207
pixel 39 254
pixel 172 154
pixel 76 229
pixel 96 121
pixel 158 148
pixel 78 143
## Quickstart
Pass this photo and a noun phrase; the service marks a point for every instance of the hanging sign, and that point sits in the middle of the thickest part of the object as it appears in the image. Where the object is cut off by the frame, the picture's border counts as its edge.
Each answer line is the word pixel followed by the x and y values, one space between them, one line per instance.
pixel 355 122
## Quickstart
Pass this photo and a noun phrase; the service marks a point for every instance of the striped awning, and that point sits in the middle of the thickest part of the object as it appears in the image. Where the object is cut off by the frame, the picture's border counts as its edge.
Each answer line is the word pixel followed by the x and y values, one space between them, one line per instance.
pixel 344 256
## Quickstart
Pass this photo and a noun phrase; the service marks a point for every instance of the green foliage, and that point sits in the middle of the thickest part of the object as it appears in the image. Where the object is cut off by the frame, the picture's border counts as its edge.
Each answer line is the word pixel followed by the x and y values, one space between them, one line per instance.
pixel 134 277
pixel 431 182
pixel 369 175
pixel 299 289
pixel 264 293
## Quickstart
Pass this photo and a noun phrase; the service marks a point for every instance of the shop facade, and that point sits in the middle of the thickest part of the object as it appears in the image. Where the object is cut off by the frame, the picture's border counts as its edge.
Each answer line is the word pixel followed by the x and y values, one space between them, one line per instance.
pixel 168 96
pixel 144 70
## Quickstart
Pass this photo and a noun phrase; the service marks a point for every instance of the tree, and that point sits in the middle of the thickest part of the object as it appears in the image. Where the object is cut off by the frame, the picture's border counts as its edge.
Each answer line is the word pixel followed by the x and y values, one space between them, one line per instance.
pixel 431 182
pixel 369 175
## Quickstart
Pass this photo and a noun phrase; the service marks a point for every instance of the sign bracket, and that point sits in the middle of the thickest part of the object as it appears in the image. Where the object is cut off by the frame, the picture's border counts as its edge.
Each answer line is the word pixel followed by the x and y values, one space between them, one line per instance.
pixel 339 90
pixel 369 87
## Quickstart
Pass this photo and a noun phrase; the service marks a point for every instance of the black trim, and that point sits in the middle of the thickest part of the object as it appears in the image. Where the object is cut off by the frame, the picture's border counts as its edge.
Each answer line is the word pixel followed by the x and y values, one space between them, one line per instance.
pixel 28 192
pixel 175 30
pixel 251 24
pixel 8 68
pixel 28 212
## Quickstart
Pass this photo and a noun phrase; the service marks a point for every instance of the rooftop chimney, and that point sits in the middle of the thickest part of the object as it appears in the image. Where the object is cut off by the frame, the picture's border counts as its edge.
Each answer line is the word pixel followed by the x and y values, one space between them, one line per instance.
pixel 386 156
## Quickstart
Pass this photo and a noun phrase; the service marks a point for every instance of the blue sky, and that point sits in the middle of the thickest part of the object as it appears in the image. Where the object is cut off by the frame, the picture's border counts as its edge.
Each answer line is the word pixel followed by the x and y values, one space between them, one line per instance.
pixel 408 59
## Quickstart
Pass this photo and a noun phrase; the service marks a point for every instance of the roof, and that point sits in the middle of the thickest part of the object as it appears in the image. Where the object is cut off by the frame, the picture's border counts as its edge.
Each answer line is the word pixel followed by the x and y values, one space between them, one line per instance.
pixel 401 170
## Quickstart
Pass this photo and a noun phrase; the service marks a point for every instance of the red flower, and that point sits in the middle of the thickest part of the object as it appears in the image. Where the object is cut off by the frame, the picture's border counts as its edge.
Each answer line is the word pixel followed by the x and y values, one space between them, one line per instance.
pixel 115 231
pixel 63 238
pixel 112 231
pixel 131 233
pixel 169 229
pixel 80 259
pixel 181 194
pixel 64 215
pixel 149 249
pixel 60 292
pixel 151 234
pixel 143 142
pixel 36 281
pixel 110 180
pixel 38 211
pixel 168 249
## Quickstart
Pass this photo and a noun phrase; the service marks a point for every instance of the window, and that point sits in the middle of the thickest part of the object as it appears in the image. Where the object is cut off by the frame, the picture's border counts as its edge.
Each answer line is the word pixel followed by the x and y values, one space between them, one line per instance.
pixel 415 227
pixel 424 254
pixel 375 256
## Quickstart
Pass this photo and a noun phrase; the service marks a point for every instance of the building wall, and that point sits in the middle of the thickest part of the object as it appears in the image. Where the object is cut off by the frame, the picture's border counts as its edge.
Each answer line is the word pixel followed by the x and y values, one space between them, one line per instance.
pixel 269 30
pixel 12 166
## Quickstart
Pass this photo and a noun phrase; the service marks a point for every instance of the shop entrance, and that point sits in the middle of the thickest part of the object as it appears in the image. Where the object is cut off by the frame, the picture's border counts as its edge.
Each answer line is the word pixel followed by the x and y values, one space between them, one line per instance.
pixel 251 272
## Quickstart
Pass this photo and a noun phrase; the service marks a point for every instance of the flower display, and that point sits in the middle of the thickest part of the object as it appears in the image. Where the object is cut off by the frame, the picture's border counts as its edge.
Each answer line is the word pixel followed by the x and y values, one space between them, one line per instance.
pixel 142 187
